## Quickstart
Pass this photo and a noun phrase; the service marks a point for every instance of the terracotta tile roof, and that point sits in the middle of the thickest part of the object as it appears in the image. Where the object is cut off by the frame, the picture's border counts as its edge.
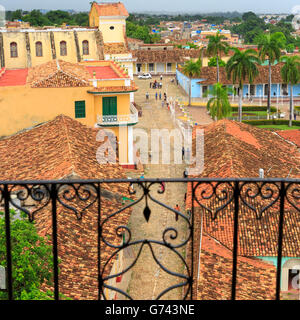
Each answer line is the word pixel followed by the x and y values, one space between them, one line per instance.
pixel 256 280
pixel 291 135
pixel 105 72
pixel 13 77
pixel 59 73
pixel 135 40
pixel 233 150
pixel 56 149
pixel 209 74
pixel 257 237
pixel 111 9
pixel 65 149
pixel 115 48
pixel 163 56
pixel 116 89
pixel 77 245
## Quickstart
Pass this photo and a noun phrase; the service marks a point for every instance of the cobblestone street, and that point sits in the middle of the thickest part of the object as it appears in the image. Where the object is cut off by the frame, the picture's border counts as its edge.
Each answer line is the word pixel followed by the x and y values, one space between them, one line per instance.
pixel 148 278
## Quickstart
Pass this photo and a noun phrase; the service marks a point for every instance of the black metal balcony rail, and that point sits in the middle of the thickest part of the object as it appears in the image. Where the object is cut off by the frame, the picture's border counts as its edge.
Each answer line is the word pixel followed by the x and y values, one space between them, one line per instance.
pixel 221 192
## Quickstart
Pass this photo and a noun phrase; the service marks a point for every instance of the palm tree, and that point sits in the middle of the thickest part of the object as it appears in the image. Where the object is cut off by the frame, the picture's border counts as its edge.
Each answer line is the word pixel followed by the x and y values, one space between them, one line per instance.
pixel 216 46
pixel 291 75
pixel 218 105
pixel 269 46
pixel 242 65
pixel 191 69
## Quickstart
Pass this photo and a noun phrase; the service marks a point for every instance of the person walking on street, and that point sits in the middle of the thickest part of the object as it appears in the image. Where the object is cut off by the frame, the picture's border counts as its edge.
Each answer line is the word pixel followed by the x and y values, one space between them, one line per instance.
pixel 156 95
pixel 185 175
pixel 161 77
pixel 182 153
pixel 162 103
pixel 147 96
pixel 177 208
pixel 160 96
pixel 150 84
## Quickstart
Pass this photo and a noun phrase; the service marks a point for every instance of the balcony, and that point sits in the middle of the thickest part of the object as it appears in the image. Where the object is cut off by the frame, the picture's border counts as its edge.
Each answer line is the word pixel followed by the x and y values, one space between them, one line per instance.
pixel 120 119
pixel 209 202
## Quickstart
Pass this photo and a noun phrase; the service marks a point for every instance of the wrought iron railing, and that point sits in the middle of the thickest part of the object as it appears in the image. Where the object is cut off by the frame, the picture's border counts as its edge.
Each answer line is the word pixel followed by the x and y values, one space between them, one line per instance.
pixel 212 196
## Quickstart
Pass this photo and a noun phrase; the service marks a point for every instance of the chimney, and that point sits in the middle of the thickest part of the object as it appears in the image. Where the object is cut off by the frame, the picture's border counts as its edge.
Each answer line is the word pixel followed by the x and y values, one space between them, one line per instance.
pixel 261 173
pixel 94 79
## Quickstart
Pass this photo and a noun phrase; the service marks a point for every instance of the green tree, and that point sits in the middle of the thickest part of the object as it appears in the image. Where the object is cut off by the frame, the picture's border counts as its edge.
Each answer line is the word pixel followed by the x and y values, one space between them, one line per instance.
pixel 290 48
pixel 58 17
pixel 291 75
pixel 192 69
pixel 269 46
pixel 249 16
pixel 242 65
pixel 17 15
pixel 36 18
pixel 218 105
pixel 213 62
pixel 192 45
pixel 136 31
pixel 216 46
pixel 31 259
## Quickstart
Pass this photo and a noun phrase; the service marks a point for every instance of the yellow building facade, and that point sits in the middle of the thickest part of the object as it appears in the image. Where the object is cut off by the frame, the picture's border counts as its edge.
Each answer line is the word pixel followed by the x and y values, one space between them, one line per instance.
pixel 105 39
pixel 94 93
pixel 85 69
pixel 29 48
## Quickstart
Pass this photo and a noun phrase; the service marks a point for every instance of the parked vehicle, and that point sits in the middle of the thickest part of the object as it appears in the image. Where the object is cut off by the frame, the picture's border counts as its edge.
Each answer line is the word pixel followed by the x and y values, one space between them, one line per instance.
pixel 145 76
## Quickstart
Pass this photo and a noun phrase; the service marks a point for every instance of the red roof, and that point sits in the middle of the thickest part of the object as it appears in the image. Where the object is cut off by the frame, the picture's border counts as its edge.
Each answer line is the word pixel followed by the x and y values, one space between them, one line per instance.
pixel 111 9
pixel 291 135
pixel 14 78
pixel 103 72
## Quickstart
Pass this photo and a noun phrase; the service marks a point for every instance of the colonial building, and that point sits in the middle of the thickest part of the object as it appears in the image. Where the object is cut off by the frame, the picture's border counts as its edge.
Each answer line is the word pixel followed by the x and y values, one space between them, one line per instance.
pixel 97 93
pixel 161 59
pixel 257 89
pixel 104 39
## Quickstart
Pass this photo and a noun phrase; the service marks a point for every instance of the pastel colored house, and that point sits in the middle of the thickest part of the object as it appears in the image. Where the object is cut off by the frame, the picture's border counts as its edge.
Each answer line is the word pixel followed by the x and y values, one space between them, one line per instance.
pixel 163 61
pixel 98 94
pixel 258 89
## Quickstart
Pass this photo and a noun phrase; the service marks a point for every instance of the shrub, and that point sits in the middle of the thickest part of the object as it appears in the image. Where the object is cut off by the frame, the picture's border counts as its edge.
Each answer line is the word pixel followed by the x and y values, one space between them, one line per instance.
pixel 276 122
pixel 254 108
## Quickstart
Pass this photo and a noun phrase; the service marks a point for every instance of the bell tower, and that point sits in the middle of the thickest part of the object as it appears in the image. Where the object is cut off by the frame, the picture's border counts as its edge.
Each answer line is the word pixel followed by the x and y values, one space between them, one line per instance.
pixel 110 18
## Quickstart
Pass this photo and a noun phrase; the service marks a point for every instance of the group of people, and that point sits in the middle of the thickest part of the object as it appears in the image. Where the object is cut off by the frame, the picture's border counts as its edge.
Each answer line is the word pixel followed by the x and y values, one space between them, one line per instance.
pixel 156 85
pixel 157 95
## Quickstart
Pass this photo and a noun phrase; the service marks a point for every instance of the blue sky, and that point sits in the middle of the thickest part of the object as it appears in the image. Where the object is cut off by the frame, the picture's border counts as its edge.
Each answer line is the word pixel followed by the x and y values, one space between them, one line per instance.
pixel 259 6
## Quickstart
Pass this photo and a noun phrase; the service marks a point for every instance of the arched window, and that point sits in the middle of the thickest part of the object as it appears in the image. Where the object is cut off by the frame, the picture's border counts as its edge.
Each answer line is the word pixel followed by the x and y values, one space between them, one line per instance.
pixel 63 48
pixel 39 49
pixel 85 47
pixel 13 50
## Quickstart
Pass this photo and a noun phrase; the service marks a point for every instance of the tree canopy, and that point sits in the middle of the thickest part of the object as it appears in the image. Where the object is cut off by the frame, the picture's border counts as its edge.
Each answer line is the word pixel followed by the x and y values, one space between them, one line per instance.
pixel 31 259
pixel 52 18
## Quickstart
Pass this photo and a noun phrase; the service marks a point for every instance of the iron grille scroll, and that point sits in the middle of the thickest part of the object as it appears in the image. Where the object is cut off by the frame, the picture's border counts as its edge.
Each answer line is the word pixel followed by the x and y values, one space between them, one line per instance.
pixel 213 196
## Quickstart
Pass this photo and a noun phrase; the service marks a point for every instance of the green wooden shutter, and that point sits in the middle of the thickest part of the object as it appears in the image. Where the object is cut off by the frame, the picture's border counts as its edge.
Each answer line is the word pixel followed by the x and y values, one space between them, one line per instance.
pixel 79 109
pixel 109 106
